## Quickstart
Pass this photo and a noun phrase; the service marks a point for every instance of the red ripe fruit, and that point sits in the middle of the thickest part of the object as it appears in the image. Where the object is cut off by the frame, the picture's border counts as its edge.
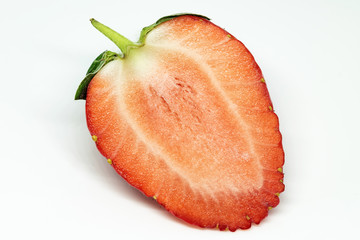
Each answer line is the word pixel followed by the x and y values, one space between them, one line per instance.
pixel 184 116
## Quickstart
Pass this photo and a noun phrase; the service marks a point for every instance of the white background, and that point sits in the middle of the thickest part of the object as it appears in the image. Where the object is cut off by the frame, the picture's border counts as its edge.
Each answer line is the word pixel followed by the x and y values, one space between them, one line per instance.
pixel 55 185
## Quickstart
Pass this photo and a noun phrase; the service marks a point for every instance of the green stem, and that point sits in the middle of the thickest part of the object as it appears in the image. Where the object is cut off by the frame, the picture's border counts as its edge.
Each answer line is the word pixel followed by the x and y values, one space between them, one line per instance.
pixel 122 42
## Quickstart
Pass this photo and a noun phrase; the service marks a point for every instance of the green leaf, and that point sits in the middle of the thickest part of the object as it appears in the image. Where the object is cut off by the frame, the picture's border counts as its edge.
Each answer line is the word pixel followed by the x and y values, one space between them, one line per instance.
pixel 95 67
pixel 147 29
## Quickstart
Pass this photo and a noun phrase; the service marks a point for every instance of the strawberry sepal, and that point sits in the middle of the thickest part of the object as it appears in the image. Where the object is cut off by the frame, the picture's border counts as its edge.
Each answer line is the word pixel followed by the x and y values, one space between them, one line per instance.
pixel 95 67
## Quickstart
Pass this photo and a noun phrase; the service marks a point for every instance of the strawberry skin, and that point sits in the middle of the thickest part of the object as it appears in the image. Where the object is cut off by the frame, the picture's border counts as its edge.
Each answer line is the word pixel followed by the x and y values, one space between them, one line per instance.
pixel 187 119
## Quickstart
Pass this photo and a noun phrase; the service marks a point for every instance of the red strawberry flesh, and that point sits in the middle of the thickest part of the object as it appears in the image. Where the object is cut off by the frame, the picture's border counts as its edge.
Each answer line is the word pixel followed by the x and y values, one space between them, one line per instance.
pixel 187 119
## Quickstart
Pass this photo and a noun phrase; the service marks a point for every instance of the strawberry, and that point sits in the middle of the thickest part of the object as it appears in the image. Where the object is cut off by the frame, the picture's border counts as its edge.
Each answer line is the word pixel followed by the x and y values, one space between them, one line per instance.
pixel 184 116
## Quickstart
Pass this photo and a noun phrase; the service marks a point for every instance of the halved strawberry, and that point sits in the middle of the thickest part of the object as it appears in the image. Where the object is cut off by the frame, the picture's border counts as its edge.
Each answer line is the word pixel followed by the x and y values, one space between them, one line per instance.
pixel 184 116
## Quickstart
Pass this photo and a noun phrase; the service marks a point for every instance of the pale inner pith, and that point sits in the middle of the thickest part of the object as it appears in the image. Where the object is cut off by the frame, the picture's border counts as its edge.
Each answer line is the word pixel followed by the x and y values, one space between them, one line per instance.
pixel 185 120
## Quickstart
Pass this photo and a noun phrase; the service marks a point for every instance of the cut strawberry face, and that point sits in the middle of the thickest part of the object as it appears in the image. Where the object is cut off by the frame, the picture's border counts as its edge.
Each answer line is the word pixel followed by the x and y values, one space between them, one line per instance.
pixel 184 116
